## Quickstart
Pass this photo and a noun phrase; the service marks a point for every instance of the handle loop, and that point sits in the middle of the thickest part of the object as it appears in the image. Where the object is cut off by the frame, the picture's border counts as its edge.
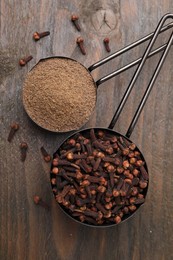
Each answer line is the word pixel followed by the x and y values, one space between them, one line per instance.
pixel 136 74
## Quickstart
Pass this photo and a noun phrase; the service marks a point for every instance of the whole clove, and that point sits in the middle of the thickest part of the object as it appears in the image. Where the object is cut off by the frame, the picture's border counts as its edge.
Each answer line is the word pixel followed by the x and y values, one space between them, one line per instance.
pixel 74 19
pixel 24 61
pixel 23 148
pixel 45 154
pixel 39 201
pixel 14 127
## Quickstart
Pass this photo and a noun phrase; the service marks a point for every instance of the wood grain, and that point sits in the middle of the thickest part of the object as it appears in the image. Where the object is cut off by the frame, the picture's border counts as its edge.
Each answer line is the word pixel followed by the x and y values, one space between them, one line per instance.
pixel 30 232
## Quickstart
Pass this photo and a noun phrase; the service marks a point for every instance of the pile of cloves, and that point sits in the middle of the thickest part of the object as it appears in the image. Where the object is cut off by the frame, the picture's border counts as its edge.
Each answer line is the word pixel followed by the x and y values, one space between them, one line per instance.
pixel 99 178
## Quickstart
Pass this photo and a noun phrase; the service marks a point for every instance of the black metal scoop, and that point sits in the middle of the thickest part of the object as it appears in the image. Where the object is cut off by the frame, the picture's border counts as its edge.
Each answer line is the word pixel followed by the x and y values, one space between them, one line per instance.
pixel 141 61
pixel 148 54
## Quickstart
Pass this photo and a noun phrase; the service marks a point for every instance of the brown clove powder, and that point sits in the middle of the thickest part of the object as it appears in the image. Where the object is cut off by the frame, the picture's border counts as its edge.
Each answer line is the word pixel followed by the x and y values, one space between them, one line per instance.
pixel 59 94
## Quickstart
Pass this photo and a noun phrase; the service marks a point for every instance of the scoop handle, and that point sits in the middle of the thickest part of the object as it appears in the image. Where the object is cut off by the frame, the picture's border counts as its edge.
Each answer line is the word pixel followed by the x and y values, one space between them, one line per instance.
pixel 136 74
pixel 129 65
pixel 149 88
pixel 125 49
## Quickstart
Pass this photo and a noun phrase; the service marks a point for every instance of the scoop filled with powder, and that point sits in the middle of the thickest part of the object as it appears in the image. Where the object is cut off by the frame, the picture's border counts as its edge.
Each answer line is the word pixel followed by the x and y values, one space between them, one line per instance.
pixel 59 94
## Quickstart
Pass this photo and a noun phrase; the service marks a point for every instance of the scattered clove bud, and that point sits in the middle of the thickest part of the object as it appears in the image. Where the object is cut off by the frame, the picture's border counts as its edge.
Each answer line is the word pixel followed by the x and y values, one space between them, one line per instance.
pixel 45 154
pixel 80 42
pixel 24 61
pixel 39 201
pixel 106 43
pixel 37 36
pixel 75 21
pixel 23 147
pixel 14 128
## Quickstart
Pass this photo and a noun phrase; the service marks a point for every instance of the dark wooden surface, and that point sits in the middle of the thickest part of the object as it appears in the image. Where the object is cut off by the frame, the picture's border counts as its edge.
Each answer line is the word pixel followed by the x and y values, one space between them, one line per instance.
pixel 31 232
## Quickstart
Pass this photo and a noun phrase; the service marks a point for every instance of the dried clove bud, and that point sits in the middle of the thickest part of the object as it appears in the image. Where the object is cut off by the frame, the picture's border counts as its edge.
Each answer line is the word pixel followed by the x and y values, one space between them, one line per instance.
pixel 39 201
pixel 23 147
pixel 45 154
pixel 14 128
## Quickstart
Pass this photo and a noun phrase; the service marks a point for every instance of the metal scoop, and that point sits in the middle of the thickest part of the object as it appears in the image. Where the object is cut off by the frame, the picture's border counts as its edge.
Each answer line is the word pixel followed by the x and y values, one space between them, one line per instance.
pixel 116 72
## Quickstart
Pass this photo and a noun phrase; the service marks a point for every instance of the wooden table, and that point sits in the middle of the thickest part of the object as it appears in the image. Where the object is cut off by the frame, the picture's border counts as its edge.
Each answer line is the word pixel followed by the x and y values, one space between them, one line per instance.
pixel 31 232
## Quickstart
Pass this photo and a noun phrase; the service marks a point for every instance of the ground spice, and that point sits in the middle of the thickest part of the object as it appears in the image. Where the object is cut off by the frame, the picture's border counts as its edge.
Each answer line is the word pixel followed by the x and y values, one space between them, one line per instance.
pixel 59 94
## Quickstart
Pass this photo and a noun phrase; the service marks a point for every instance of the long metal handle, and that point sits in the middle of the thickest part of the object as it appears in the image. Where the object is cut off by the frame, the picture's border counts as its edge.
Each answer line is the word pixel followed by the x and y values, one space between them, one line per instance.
pixel 136 74
pixel 149 88
pixel 127 48
pixel 128 66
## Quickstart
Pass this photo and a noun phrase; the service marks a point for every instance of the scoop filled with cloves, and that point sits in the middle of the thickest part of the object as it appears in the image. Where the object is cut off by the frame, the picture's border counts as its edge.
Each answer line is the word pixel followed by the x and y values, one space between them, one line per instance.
pixel 99 177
